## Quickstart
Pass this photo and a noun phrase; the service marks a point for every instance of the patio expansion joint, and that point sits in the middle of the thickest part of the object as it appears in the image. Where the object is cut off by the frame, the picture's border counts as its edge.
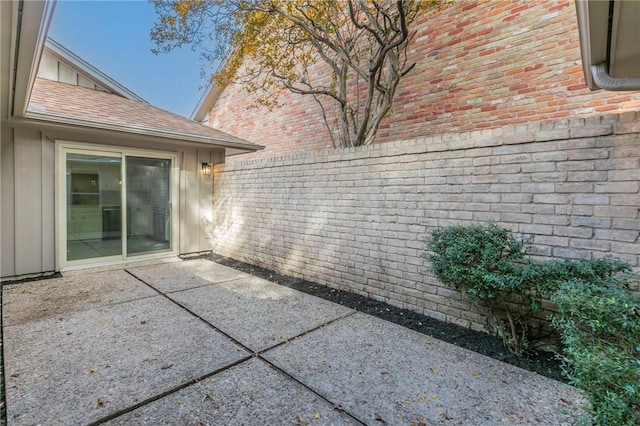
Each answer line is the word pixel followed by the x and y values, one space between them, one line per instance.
pixel 192 313
pixel 335 405
pixel 117 414
pixel 182 290
pixel 89 308
pixel 304 333
pixel 254 354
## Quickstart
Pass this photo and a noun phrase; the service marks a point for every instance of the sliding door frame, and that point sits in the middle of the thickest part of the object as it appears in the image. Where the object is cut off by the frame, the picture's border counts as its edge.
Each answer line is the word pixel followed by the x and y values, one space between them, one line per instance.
pixel 65 147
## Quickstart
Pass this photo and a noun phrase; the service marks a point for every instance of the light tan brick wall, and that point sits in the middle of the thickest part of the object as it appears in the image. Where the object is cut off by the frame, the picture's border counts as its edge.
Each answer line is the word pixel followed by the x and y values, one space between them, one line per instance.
pixel 357 219
pixel 479 65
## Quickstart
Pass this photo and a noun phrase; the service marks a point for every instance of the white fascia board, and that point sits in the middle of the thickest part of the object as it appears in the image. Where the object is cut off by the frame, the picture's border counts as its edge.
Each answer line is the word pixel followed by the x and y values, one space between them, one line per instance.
pixel 29 26
pixel 205 103
pixel 7 14
pixel 76 62
pixel 60 122
pixel 210 96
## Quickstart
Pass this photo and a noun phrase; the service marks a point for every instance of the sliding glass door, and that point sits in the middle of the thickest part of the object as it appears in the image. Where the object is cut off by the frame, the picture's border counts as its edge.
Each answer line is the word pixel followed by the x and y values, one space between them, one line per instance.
pixel 148 205
pixel 117 205
pixel 94 200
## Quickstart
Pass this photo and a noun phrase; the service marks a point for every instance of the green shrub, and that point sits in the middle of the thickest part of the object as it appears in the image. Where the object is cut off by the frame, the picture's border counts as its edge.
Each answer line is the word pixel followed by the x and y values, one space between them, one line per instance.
pixel 486 263
pixel 598 317
pixel 600 327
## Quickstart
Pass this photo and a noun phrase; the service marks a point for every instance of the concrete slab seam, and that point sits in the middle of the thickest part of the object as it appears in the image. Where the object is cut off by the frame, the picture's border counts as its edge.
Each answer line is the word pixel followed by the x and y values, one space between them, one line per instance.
pixel 333 404
pixel 254 354
pixel 117 414
pixel 304 333
pixel 90 308
pixel 198 286
pixel 180 305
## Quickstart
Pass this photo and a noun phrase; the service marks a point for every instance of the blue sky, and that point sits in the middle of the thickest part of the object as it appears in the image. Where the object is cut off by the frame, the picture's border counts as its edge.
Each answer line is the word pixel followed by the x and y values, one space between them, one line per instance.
pixel 114 37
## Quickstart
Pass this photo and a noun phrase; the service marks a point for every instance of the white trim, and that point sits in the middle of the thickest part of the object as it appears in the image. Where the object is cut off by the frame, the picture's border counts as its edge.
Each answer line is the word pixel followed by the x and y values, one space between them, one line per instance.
pixel 133 261
pixel 201 111
pixel 33 25
pixel 53 121
pixel 211 94
pixel 62 147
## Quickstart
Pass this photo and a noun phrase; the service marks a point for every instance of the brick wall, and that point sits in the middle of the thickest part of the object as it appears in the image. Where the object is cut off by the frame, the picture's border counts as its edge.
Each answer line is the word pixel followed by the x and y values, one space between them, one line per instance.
pixel 480 65
pixel 357 219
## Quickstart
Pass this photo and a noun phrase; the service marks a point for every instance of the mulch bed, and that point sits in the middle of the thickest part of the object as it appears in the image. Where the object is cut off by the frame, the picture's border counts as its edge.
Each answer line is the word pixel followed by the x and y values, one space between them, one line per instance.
pixel 540 362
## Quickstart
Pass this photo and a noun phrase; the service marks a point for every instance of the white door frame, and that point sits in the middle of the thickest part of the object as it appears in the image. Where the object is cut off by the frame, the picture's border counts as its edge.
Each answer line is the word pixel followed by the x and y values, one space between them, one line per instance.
pixel 62 147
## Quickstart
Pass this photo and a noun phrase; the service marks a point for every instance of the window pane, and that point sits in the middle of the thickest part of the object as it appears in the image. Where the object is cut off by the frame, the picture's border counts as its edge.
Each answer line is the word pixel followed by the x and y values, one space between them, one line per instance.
pixel 93 206
pixel 148 205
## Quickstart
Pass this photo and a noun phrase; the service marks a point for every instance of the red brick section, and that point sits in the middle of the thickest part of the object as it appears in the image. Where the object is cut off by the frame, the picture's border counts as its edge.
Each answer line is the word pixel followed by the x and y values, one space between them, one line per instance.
pixel 480 65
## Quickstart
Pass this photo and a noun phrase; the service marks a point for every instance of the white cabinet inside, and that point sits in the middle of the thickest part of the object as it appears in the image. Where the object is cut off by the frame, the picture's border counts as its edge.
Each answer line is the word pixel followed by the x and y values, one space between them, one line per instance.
pixel 84 223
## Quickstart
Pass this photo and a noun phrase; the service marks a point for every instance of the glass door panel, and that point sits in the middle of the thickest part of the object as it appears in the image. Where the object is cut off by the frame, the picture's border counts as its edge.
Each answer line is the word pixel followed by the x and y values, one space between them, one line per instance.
pixel 93 198
pixel 148 205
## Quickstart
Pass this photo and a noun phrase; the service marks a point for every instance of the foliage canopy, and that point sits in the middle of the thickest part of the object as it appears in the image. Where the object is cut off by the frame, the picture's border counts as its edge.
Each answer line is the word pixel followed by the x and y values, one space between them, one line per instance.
pixel 349 55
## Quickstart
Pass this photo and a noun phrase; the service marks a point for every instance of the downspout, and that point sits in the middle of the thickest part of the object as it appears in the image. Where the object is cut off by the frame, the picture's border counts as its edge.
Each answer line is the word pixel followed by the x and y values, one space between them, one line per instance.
pixel 603 80
pixel 600 71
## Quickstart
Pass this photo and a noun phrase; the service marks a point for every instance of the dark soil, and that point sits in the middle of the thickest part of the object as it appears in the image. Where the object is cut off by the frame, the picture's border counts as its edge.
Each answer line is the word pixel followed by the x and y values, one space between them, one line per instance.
pixel 543 363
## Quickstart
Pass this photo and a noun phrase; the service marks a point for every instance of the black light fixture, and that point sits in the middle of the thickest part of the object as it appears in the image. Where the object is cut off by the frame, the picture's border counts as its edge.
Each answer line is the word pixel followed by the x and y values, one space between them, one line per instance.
pixel 206 169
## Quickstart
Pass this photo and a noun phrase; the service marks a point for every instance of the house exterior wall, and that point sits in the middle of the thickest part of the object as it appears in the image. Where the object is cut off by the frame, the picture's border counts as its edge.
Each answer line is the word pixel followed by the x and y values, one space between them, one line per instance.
pixel 51 68
pixel 28 196
pixel 479 65
pixel 27 203
pixel 357 219
pixel 7 190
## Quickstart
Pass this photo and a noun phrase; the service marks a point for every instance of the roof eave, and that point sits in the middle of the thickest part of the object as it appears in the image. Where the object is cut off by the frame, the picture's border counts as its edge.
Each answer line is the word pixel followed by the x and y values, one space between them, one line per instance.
pixel 29 27
pixel 209 97
pixel 49 121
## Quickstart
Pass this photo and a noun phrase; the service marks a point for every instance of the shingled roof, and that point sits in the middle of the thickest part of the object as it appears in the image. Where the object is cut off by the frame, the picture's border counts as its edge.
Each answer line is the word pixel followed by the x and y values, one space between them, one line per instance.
pixel 54 100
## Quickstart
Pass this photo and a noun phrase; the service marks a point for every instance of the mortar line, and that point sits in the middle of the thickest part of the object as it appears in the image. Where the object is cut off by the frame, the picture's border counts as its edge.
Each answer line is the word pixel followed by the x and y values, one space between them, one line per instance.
pixel 161 395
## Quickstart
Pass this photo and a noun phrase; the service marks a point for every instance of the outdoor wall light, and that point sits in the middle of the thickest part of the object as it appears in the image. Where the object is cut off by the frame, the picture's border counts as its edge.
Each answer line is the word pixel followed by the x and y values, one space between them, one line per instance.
pixel 206 169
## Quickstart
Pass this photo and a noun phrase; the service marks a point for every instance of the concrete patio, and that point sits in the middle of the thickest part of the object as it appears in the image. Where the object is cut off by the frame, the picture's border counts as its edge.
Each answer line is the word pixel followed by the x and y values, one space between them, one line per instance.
pixel 197 343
